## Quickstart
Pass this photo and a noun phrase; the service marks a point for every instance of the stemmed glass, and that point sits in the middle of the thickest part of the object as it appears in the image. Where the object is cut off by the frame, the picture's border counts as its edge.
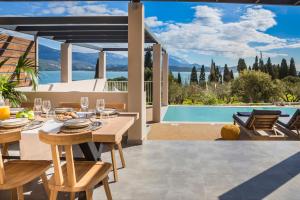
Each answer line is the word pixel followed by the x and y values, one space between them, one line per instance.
pixel 37 104
pixel 46 106
pixel 84 103
pixel 100 106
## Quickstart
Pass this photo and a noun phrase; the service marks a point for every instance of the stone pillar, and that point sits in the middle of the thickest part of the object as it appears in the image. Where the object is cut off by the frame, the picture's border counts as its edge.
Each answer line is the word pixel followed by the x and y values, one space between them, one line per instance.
pixel 165 79
pixel 66 62
pixel 156 84
pixel 102 65
pixel 136 94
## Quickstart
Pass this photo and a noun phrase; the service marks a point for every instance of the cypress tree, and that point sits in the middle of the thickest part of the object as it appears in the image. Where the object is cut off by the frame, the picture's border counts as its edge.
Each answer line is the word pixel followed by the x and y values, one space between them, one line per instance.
pixel 255 64
pixel 219 75
pixel 241 65
pixel 202 75
pixel 231 75
pixel 213 74
pixel 179 78
pixel 194 77
pixel 97 69
pixel 284 69
pixel 270 69
pixel 226 74
pixel 293 71
pixel 261 65
pixel 249 68
pixel 148 65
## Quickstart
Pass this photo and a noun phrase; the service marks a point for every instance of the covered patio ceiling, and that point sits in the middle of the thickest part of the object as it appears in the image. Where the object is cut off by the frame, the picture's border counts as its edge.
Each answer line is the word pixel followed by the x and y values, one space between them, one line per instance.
pixel 81 31
pixel 271 2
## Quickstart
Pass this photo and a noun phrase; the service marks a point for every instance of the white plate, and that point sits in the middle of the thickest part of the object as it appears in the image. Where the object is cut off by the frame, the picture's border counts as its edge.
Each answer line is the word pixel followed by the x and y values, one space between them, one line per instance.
pixel 77 123
pixel 109 111
pixel 14 111
pixel 14 122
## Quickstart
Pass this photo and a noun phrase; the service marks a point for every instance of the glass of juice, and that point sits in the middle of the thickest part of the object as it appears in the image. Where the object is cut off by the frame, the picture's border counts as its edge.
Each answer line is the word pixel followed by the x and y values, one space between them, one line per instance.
pixel 4 112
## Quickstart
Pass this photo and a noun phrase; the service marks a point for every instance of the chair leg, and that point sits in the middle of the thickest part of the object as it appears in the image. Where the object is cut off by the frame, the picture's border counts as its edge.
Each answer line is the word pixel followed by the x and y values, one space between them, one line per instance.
pixel 113 159
pixel 4 150
pixel 106 188
pixel 53 194
pixel 89 194
pixel 121 154
pixel 45 183
pixel 72 195
pixel 20 193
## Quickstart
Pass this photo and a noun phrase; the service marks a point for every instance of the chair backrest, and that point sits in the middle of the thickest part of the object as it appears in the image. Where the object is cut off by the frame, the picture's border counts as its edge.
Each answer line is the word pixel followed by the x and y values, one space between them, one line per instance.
pixel 65 140
pixel 7 137
pixel 27 105
pixel 294 122
pixel 118 106
pixel 263 119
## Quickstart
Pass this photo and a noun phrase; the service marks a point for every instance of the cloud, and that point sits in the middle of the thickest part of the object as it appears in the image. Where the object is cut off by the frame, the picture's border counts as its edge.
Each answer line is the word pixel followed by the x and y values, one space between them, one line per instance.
pixel 81 9
pixel 209 34
pixel 153 22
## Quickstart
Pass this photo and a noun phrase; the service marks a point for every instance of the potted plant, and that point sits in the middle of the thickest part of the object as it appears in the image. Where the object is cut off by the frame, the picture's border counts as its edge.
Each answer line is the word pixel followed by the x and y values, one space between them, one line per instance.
pixel 8 84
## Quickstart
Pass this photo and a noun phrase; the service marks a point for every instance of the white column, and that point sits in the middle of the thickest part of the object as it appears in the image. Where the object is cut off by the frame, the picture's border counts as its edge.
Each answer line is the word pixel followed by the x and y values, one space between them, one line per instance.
pixel 66 62
pixel 165 79
pixel 36 49
pixel 102 65
pixel 136 95
pixel 156 78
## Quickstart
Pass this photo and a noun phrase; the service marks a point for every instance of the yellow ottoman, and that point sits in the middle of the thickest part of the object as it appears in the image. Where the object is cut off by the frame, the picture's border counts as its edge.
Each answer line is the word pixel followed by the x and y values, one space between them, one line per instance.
pixel 230 132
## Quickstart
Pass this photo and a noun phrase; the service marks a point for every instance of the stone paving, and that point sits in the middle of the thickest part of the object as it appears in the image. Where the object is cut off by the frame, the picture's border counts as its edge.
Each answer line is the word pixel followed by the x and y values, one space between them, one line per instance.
pixel 184 170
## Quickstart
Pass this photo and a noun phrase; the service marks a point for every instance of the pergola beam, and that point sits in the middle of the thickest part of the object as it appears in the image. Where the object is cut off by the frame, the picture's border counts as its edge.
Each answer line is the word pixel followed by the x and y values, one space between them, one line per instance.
pixel 31 28
pixel 64 20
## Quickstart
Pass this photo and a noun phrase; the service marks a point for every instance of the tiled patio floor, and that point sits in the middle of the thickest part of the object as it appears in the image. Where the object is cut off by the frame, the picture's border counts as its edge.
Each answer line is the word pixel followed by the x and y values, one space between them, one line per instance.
pixel 205 170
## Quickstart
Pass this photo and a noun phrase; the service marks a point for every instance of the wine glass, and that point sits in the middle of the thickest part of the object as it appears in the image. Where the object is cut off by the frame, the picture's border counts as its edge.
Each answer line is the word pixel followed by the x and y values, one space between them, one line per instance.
pixel 84 103
pixel 100 106
pixel 46 106
pixel 37 104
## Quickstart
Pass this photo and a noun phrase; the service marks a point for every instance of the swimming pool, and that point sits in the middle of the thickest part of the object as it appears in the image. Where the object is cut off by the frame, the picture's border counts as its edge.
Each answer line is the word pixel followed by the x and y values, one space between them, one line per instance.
pixel 212 113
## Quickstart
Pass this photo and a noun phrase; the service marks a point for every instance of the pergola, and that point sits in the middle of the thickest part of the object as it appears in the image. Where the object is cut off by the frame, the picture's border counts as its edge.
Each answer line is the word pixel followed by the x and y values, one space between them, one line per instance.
pixel 87 31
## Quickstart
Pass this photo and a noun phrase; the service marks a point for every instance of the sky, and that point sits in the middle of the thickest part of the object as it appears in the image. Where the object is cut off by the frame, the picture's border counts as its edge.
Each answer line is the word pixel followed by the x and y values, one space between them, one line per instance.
pixel 197 32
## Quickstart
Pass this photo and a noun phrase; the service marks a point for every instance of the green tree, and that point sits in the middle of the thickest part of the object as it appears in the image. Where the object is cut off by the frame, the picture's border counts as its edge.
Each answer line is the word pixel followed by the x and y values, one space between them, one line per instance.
pixel 261 64
pixel 284 69
pixel 255 86
pixel 213 74
pixel 255 64
pixel 226 74
pixel 270 68
pixel 202 76
pixel 292 71
pixel 291 89
pixel 148 65
pixel 231 75
pixel 194 76
pixel 179 78
pixel 241 65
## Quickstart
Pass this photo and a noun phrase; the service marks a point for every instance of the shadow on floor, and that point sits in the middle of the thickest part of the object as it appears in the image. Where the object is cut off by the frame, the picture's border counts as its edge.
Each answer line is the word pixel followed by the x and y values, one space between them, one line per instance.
pixel 266 182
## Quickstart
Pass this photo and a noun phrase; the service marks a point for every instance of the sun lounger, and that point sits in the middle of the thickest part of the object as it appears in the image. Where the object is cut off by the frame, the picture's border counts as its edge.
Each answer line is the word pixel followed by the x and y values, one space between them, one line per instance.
pixel 260 124
pixel 290 125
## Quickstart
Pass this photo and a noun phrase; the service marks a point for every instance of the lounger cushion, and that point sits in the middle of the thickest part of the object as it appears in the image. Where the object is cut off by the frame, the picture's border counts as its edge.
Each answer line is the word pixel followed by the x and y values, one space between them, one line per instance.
pixel 247 114
pixel 242 120
pixel 287 121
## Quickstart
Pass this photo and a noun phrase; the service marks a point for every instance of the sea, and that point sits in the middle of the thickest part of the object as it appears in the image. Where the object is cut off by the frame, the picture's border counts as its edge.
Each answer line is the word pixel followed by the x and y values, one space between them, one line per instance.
pixel 54 76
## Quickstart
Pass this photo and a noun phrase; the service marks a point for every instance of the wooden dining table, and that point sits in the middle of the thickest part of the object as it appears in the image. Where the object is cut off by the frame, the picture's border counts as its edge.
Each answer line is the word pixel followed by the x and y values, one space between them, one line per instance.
pixel 111 132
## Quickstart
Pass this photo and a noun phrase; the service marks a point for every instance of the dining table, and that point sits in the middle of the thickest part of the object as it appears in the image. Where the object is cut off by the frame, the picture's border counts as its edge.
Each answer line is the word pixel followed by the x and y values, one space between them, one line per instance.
pixel 111 132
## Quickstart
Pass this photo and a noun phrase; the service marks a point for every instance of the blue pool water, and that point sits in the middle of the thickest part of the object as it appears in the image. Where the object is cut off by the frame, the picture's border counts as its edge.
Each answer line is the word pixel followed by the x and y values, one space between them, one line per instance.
pixel 212 113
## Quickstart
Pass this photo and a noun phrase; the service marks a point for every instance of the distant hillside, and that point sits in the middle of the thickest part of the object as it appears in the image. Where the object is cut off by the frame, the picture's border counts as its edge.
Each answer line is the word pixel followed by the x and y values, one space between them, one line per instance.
pixel 50 61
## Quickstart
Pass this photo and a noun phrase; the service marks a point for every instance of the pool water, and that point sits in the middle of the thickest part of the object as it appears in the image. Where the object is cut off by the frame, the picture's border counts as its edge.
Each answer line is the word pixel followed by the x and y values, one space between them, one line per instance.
pixel 212 113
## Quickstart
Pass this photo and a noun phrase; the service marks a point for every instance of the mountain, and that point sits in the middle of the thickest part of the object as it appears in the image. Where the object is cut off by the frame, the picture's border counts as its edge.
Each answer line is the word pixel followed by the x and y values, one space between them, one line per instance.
pixel 50 61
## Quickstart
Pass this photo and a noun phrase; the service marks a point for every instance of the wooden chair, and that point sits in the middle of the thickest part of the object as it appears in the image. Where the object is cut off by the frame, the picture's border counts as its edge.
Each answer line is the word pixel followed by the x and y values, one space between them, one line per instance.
pixel 15 174
pixel 74 176
pixel 110 145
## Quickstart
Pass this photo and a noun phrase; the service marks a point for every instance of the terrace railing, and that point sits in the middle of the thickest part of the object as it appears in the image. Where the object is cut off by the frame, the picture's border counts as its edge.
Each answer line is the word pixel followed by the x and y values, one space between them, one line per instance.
pixel 116 86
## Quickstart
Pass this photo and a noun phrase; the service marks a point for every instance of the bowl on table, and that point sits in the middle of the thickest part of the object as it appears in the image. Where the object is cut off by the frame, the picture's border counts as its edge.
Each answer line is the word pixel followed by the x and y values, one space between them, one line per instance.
pixel 14 123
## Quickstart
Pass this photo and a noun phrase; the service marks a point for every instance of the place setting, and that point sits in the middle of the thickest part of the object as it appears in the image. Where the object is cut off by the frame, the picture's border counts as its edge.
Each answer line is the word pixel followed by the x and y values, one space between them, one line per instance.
pixel 80 125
